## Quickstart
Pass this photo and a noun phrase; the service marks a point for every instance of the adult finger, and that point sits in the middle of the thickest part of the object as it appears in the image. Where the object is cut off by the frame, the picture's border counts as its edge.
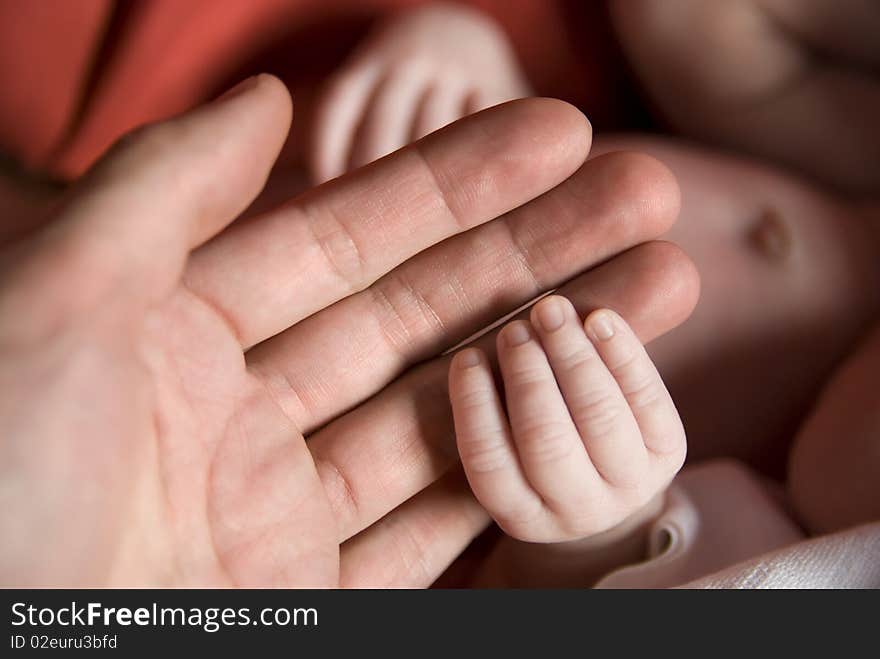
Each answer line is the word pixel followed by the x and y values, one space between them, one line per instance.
pixel 329 362
pixel 405 436
pixel 414 545
pixel 337 239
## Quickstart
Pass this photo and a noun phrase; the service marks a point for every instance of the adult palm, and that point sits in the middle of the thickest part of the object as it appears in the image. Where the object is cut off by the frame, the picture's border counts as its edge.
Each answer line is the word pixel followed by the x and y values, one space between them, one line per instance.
pixel 159 373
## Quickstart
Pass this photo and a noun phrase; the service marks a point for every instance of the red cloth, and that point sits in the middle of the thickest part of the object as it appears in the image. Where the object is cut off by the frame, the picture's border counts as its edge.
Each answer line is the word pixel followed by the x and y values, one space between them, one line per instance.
pixel 76 75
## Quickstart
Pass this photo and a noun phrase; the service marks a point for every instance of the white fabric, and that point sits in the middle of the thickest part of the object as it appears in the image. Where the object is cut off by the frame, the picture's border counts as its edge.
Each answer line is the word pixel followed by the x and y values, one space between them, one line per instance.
pixel 848 559
pixel 716 515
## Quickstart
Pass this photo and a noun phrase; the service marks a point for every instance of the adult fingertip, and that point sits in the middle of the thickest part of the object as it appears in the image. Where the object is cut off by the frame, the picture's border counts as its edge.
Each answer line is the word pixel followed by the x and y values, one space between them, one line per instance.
pixel 648 195
pixel 555 122
pixel 683 276
pixel 676 280
pixel 509 154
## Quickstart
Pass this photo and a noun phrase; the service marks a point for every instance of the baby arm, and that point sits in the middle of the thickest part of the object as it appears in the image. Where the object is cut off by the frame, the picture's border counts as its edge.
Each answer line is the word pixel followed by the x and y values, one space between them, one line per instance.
pixel 574 465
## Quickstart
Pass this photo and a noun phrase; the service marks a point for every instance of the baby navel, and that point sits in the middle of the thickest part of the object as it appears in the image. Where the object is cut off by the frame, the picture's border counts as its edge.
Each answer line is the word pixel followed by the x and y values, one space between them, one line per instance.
pixel 771 236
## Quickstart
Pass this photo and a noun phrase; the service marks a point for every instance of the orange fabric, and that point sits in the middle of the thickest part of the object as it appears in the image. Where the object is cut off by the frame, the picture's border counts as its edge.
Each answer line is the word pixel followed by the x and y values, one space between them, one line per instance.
pixel 46 53
pixel 74 76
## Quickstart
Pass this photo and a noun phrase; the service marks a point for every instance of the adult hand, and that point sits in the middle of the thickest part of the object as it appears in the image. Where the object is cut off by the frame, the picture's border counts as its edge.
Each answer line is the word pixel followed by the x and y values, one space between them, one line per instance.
pixel 157 384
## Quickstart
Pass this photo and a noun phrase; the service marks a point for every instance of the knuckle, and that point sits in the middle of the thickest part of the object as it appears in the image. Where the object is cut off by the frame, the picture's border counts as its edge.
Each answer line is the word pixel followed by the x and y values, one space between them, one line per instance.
pixel 676 455
pixel 527 380
pixel 634 493
pixel 339 247
pixel 581 514
pixel 339 489
pixel 577 361
pixel 520 521
pixel 631 479
pixel 625 359
pixel 473 398
pixel 486 456
pixel 580 524
pixel 669 444
pixel 444 198
pixel 545 442
pixel 404 312
pixel 646 392
pixel 599 414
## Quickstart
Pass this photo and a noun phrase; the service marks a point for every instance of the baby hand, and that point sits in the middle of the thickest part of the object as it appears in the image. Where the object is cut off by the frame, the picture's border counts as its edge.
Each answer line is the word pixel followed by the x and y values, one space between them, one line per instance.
pixel 419 71
pixel 590 434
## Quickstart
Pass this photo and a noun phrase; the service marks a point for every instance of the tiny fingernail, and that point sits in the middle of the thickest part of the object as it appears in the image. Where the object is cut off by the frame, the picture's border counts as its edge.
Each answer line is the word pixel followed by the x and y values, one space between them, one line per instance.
pixel 516 334
pixel 468 358
pixel 551 314
pixel 600 326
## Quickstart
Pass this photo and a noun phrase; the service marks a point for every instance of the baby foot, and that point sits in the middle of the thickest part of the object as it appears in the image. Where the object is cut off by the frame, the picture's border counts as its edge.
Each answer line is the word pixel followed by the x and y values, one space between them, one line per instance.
pixel 588 436
pixel 419 71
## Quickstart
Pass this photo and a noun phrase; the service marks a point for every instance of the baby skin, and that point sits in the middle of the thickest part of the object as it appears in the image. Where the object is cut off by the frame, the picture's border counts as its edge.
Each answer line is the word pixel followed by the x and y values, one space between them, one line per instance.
pixel 571 462
pixel 793 82
pixel 416 72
